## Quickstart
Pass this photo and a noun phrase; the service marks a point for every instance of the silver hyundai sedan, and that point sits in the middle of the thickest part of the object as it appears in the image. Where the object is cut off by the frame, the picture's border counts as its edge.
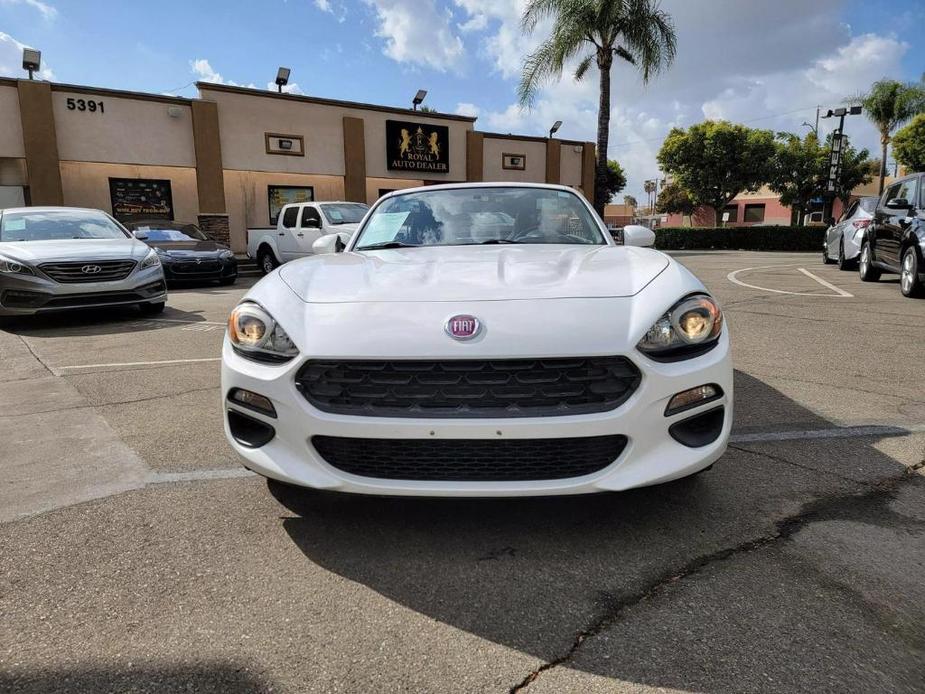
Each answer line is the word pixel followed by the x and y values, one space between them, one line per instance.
pixel 60 258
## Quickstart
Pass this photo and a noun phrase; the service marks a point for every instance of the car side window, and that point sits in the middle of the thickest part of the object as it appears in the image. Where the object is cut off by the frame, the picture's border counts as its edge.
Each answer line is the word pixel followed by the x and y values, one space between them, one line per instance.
pixel 310 214
pixel 922 193
pixel 849 213
pixel 890 194
pixel 290 216
pixel 908 190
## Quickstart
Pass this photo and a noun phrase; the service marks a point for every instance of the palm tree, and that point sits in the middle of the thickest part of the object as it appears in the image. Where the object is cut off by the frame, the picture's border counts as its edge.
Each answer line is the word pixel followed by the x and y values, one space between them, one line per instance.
pixel 595 31
pixel 889 104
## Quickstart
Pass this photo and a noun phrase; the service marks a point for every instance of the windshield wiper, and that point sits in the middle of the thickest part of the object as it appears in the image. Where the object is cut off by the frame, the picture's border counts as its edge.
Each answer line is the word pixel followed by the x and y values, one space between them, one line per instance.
pixel 499 241
pixel 386 244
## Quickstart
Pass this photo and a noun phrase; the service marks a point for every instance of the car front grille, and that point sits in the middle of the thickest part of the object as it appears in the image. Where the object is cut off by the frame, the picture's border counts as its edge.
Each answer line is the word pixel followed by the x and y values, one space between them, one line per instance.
pixel 88 270
pixel 469 388
pixel 470 460
pixel 187 267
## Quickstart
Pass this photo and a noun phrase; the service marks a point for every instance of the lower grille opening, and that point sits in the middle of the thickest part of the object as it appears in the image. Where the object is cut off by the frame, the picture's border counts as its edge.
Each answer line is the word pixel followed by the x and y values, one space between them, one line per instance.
pixel 700 430
pixel 248 431
pixel 470 460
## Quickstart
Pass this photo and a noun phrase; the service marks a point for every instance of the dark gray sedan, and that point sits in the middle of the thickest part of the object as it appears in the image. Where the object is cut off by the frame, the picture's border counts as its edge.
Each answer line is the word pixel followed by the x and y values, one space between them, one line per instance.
pixel 187 254
pixel 61 258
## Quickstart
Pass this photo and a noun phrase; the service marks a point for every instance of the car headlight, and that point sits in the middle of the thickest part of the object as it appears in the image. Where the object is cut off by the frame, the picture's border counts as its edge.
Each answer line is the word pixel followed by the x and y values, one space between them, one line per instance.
pixel 14 267
pixel 226 254
pixel 151 259
pixel 691 327
pixel 254 334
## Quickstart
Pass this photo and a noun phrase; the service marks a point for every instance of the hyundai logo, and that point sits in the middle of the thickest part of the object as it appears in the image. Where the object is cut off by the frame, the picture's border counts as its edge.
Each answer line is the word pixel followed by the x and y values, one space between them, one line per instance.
pixel 462 327
pixel 90 269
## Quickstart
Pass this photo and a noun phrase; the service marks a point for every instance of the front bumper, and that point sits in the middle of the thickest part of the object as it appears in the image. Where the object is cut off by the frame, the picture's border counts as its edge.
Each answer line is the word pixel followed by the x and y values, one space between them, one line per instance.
pixel 650 456
pixel 209 269
pixel 26 295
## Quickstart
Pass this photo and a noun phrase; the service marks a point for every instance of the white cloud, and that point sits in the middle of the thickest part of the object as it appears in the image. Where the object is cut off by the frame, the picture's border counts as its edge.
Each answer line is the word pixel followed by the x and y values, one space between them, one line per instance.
pixel 416 32
pixel 11 60
pixel 47 11
pixel 333 8
pixel 292 88
pixel 466 109
pixel 205 73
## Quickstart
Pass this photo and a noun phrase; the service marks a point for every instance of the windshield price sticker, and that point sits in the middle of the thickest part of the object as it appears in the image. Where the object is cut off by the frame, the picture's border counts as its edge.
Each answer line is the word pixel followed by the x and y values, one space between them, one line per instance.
pixel 382 228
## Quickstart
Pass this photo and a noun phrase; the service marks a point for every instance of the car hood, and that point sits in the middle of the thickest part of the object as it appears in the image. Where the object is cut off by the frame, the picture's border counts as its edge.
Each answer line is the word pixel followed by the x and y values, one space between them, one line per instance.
pixel 474 273
pixel 73 249
pixel 344 228
pixel 182 249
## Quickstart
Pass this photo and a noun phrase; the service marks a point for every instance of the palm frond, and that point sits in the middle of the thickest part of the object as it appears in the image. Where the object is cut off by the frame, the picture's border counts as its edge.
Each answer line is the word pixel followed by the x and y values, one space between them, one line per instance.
pixel 583 67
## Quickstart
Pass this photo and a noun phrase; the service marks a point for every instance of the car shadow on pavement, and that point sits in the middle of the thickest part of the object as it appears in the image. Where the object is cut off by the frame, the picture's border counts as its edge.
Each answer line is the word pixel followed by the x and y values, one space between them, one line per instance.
pixel 207 678
pixel 91 322
pixel 699 584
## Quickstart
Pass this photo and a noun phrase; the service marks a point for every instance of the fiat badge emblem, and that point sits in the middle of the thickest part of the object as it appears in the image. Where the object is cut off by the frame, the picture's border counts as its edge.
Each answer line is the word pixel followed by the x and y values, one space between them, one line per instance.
pixel 462 327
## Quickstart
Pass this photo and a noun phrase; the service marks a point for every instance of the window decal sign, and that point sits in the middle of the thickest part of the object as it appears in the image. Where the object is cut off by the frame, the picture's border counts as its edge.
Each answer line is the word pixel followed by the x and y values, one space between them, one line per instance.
pixel 417 147
pixel 140 198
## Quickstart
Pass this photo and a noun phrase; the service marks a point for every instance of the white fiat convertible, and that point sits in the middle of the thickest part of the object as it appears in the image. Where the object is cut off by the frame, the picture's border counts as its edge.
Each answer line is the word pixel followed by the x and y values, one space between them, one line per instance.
pixel 478 340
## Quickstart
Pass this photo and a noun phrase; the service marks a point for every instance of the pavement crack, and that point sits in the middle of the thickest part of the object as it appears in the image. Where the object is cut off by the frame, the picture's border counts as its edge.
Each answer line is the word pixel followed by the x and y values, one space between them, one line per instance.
pixel 36 356
pixel 780 459
pixel 840 506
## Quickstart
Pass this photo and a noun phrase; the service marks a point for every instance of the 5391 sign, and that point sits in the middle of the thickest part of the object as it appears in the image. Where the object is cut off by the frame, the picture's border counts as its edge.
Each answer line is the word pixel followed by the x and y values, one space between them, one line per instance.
pixel 85 105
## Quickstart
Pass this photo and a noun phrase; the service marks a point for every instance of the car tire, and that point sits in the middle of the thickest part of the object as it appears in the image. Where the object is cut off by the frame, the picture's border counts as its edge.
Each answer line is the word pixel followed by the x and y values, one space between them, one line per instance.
pixel 153 309
pixel 227 281
pixel 866 269
pixel 266 261
pixel 826 260
pixel 909 283
pixel 843 263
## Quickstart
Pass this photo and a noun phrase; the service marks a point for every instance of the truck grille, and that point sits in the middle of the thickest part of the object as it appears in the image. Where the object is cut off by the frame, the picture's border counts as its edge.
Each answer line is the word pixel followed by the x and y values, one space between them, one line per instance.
pixel 469 388
pixel 83 271
pixel 470 460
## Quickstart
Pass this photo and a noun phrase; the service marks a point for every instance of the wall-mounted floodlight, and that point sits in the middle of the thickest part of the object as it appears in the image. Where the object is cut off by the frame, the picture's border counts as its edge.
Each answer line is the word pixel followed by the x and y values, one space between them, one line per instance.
pixel 282 78
pixel 31 60
pixel 555 128
pixel 418 98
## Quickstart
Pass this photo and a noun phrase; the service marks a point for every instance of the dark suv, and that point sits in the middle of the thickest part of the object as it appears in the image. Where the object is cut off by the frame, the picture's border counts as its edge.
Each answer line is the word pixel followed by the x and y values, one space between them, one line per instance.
pixel 895 239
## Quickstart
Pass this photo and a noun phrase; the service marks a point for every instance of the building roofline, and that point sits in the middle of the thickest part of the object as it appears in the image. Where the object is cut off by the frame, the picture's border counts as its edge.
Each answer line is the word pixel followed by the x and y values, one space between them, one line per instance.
pixel 102 91
pixel 211 86
pixel 527 138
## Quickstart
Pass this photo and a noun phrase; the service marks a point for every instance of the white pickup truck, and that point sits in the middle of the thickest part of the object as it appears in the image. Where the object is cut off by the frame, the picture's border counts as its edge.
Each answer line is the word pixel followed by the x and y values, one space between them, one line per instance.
pixel 299 225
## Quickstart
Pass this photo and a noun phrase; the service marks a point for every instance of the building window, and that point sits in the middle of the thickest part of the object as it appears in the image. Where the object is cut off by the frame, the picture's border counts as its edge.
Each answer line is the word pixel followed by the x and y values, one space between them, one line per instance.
pixel 278 196
pixel 754 213
pixel 135 199
pixel 733 212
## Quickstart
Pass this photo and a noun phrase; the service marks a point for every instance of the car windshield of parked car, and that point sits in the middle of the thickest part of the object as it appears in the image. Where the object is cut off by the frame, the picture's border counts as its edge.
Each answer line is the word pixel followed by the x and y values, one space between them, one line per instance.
pixel 471 216
pixel 344 214
pixel 58 225
pixel 170 232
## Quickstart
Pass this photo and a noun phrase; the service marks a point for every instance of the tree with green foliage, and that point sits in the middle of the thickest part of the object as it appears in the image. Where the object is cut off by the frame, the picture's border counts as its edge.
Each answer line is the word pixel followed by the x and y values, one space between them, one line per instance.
pixel 716 160
pixel 888 105
pixel 630 201
pixel 909 145
pixel 797 169
pixel 675 200
pixel 594 32
pixel 616 179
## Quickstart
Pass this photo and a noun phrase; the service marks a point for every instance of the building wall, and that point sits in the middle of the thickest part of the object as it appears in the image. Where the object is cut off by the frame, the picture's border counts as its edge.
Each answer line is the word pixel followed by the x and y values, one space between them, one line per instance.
pixel 534 152
pixel 248 204
pixel 11 145
pixel 374 185
pixel 86 184
pixel 570 164
pixel 130 130
pixel 245 117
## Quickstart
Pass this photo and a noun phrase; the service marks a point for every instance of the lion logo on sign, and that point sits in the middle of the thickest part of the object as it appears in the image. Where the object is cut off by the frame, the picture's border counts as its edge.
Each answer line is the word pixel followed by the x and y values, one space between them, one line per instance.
pixel 434 145
pixel 405 145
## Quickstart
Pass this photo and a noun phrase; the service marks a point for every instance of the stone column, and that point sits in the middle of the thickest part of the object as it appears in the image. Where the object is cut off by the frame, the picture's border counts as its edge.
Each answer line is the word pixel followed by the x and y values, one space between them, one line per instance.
pixel 40 142
pixel 216 226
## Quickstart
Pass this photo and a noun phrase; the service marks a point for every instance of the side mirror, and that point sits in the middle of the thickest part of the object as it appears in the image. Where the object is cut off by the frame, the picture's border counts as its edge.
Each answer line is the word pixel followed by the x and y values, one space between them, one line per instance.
pixel 331 243
pixel 638 235
pixel 140 234
pixel 898 204
pixel 830 221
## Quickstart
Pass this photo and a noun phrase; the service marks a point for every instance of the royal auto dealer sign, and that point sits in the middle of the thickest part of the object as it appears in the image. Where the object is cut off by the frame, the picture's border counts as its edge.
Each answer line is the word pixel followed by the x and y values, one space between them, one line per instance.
pixel 417 147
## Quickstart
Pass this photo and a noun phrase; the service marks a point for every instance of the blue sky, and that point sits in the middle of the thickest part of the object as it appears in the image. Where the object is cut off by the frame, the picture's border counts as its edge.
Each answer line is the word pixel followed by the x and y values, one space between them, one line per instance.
pixel 767 64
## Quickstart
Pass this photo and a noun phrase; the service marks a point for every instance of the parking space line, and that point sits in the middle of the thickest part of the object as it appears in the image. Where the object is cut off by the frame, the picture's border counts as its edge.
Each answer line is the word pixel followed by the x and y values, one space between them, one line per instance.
pixel 733 277
pixel 177 320
pixel 840 292
pixel 139 363
pixel 197 475
pixel 831 433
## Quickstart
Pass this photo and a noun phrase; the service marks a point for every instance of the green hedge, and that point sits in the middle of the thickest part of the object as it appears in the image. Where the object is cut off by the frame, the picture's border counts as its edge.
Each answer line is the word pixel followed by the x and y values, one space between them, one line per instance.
pixel 757 238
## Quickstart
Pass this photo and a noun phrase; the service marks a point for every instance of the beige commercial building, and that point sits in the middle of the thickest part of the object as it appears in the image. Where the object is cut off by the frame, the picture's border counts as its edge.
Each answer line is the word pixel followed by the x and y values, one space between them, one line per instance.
pixel 232 157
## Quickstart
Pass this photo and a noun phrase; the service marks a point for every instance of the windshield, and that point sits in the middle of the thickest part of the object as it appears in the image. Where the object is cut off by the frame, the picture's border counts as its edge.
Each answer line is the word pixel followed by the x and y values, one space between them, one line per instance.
pixel 869 204
pixel 58 225
pixel 166 231
pixel 469 216
pixel 344 214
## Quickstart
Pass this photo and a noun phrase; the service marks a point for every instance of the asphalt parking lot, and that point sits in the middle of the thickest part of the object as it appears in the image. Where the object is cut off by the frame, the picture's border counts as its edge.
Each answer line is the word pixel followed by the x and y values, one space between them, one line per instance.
pixel 137 555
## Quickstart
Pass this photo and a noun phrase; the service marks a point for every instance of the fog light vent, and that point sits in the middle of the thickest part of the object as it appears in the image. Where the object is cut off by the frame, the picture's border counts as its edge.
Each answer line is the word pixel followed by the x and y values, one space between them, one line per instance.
pixel 693 397
pixel 252 401
pixel 248 431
